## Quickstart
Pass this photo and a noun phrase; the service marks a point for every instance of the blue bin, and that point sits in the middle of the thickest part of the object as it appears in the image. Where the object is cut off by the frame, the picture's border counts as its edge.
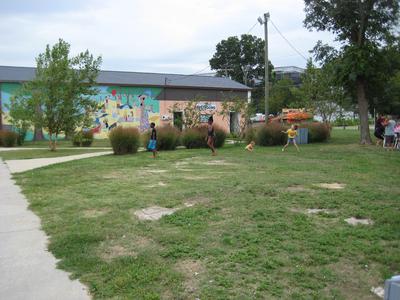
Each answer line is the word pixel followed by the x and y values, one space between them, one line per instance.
pixel 392 288
pixel 302 136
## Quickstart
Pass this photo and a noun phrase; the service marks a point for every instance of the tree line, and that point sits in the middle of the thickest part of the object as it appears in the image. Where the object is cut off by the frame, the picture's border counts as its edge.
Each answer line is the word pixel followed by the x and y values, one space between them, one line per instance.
pixel 362 74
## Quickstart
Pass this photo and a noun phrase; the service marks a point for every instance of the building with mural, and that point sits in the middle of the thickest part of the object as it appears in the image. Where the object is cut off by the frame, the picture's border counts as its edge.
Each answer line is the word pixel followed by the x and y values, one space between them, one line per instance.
pixel 136 99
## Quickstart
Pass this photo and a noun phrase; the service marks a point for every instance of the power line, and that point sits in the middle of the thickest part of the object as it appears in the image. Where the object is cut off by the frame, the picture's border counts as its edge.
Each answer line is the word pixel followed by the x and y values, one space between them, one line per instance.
pixel 287 41
pixel 193 74
pixel 252 27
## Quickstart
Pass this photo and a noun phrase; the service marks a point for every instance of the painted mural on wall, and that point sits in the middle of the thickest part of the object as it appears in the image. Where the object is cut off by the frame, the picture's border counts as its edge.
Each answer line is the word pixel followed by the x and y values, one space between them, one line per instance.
pixel 126 106
pixel 116 105
pixel 7 90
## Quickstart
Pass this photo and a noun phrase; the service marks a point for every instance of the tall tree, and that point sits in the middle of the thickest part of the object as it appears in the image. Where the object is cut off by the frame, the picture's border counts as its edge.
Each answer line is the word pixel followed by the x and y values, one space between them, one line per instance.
pixel 62 88
pixel 362 26
pixel 242 59
pixel 283 95
pixel 321 93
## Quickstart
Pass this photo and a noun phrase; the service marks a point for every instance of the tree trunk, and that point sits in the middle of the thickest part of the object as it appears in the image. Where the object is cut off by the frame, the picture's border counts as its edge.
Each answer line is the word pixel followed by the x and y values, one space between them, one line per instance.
pixel 365 138
pixel 38 134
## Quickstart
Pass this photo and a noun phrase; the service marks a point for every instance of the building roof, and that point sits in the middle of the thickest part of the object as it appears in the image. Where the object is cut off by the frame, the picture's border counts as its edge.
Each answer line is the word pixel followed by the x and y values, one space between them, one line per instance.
pixel 21 74
pixel 288 69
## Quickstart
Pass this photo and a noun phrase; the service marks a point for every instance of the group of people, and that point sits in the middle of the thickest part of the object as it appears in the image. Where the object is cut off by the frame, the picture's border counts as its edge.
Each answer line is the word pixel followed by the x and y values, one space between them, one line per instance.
pixel 210 139
pixel 387 132
pixel 291 139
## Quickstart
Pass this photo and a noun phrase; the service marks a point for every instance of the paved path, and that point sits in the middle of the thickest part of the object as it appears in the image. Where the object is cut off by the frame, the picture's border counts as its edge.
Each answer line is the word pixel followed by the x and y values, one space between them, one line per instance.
pixel 22 165
pixel 27 269
pixel 58 148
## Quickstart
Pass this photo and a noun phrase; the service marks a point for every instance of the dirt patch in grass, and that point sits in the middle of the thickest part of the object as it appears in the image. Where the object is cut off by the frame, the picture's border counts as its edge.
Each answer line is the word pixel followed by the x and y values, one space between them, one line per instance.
pixel 114 175
pixel 195 177
pixel 195 200
pixel 297 188
pixel 115 251
pixel 355 221
pixel 193 271
pixel 355 281
pixel 154 171
pixel 159 184
pixel 94 213
pixel 185 170
pixel 313 211
pixel 320 210
pixel 332 186
pixel 153 213
pixel 217 163
pixel 181 163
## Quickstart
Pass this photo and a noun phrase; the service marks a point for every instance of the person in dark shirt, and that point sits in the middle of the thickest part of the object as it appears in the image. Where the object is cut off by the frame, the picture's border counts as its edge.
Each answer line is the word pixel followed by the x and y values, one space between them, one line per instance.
pixel 211 135
pixel 152 146
pixel 379 130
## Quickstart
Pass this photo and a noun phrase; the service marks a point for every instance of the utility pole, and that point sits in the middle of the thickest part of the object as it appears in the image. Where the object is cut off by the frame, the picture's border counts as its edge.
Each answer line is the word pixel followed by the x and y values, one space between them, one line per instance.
pixel 266 87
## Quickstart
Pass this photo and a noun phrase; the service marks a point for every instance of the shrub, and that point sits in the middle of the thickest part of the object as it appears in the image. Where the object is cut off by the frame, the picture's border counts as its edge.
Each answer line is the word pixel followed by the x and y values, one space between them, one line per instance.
pixel 250 135
pixel 83 138
pixel 317 132
pixel 167 138
pixel 8 138
pixel 124 140
pixel 197 137
pixel 21 135
pixel 270 135
pixel 220 137
pixel 194 137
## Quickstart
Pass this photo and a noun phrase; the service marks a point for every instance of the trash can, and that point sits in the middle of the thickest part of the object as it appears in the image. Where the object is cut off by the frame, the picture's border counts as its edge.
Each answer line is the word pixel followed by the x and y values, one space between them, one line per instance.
pixel 392 288
pixel 302 136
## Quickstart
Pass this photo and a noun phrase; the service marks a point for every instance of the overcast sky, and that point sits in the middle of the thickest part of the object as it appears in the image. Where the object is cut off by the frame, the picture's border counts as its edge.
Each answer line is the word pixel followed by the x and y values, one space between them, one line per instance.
pixel 172 36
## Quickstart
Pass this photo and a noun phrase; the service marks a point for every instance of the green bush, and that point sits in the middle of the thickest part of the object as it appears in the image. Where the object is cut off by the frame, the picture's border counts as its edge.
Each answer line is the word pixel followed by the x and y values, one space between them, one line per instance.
pixel 271 134
pixel 250 135
pixel 83 139
pixel 220 137
pixel 167 138
pixel 317 132
pixel 124 140
pixel 194 137
pixel 197 137
pixel 8 138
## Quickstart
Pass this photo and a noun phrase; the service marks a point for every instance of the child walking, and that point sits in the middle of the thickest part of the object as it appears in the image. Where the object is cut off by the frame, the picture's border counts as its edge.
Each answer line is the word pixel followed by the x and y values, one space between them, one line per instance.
pixel 292 133
pixel 152 146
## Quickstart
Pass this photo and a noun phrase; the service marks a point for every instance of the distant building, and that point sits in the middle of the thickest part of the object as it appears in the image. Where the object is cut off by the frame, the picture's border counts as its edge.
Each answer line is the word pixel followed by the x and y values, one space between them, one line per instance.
pixel 291 72
pixel 135 99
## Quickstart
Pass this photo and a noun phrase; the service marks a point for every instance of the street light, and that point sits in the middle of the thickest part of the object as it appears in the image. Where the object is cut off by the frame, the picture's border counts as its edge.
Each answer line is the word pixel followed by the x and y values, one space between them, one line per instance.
pixel 265 23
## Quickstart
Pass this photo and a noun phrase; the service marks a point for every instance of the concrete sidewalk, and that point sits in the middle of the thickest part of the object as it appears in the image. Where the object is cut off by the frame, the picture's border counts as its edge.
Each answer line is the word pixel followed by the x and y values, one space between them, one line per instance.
pixel 4 149
pixel 28 270
pixel 22 165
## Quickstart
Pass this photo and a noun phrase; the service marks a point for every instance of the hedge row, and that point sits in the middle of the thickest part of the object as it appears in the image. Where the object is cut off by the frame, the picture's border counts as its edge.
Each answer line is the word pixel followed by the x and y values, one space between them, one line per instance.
pixel 168 138
pixel 8 138
pixel 83 138
pixel 271 134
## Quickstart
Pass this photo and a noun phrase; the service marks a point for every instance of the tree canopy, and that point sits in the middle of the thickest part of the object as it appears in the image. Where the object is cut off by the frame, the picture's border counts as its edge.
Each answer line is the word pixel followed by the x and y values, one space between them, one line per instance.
pixel 61 91
pixel 361 27
pixel 242 59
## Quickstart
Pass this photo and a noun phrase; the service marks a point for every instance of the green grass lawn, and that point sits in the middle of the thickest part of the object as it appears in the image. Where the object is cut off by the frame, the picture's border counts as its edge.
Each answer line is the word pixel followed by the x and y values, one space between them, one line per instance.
pixel 248 234
pixel 67 144
pixel 42 153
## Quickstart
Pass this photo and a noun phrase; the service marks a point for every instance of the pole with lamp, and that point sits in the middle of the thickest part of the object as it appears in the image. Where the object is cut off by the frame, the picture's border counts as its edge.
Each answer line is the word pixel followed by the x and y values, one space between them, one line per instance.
pixel 266 85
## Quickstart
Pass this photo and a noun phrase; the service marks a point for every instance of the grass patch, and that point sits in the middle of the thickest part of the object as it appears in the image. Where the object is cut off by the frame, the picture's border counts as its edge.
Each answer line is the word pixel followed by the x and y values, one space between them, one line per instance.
pixel 247 234
pixel 66 144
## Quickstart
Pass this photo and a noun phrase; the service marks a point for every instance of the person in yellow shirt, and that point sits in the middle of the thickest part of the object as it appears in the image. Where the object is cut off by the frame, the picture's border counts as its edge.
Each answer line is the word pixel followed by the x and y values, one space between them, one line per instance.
pixel 292 133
